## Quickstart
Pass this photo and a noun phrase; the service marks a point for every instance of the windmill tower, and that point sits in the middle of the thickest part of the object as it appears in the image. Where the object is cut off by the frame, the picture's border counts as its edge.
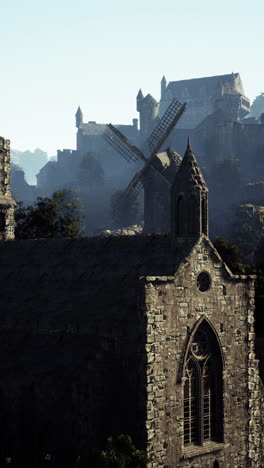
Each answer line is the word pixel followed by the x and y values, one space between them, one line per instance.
pixel 7 223
pixel 155 168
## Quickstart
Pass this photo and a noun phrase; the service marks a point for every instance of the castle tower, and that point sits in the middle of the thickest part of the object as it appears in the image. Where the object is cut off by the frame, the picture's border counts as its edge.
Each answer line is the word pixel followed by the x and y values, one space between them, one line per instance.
pixel 163 87
pixel 79 118
pixel 7 223
pixel 148 111
pixel 189 199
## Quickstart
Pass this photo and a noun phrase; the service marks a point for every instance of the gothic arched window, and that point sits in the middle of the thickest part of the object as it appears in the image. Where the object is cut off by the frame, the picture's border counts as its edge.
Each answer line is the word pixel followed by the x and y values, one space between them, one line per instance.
pixel 203 388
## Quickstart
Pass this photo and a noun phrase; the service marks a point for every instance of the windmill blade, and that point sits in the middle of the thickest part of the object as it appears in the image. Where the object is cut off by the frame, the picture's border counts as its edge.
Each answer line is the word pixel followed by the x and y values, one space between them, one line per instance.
pixel 120 205
pixel 134 187
pixel 120 143
pixel 130 194
pixel 165 125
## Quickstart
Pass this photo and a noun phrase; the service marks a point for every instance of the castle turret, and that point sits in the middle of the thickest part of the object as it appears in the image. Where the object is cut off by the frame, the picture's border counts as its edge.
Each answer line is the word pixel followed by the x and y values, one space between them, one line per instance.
pixel 140 97
pixel 7 223
pixel 163 87
pixel 149 108
pixel 79 118
pixel 189 199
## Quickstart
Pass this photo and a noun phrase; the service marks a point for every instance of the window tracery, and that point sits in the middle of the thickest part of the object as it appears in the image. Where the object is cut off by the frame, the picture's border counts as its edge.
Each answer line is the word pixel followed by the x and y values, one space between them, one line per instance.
pixel 203 411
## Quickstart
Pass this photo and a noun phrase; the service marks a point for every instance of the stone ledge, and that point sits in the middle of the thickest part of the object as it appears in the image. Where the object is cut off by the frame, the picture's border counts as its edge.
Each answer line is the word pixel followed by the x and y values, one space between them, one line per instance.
pixel 197 450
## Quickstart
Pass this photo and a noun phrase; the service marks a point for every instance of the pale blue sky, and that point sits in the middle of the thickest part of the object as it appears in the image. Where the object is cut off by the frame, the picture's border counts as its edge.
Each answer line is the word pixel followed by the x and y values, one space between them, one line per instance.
pixel 56 55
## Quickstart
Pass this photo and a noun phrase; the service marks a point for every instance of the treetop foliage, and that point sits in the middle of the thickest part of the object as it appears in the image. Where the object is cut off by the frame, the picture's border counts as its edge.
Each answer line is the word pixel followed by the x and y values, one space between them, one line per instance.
pixel 118 452
pixel 55 216
pixel 257 107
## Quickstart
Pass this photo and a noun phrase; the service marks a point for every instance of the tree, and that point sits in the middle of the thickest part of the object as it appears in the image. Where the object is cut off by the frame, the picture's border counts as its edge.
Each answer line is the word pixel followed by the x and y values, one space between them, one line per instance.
pixel 58 216
pixel 230 253
pixel 257 107
pixel 119 452
pixel 247 230
pixel 259 254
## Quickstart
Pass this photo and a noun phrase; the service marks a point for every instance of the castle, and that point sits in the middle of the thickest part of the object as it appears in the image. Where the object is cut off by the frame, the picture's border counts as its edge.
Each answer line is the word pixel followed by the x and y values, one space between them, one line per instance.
pixel 215 118
pixel 150 335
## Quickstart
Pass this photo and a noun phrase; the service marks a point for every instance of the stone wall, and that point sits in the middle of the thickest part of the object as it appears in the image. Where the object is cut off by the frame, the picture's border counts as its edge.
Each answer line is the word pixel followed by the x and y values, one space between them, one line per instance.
pixel 174 305
pixel 255 393
pixel 6 203
pixel 93 338
pixel 73 333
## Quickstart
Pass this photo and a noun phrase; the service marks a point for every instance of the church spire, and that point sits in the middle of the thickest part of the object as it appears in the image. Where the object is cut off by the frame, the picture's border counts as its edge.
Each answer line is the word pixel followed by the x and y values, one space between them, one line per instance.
pixel 163 87
pixel 189 199
pixel 79 118
pixel 140 97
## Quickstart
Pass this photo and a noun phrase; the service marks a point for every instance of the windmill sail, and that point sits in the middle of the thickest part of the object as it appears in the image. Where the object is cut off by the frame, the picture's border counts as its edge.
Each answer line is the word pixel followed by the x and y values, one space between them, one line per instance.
pixel 131 153
pixel 120 143
pixel 165 125
pixel 121 203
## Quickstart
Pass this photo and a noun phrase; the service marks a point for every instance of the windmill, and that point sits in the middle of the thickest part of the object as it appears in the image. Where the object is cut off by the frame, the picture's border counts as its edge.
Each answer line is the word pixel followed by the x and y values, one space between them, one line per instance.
pixel 132 154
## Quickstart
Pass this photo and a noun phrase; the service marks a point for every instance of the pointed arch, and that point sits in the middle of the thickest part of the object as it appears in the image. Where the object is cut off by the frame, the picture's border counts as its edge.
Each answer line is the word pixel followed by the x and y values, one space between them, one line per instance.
pixel 202 379
pixel 202 320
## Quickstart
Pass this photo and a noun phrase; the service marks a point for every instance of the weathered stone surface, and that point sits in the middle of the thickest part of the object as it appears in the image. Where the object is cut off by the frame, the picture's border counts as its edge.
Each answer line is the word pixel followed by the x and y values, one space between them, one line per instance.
pixel 89 345
pixel 7 223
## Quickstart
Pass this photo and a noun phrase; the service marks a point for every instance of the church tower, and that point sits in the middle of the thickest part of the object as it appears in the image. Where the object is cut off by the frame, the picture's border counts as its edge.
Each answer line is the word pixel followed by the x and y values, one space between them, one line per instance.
pixel 7 223
pixel 189 199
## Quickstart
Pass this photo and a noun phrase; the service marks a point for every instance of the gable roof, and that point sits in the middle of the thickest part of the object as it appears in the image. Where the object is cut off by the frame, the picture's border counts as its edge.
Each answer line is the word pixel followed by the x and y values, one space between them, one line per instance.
pixel 207 84
pixel 168 157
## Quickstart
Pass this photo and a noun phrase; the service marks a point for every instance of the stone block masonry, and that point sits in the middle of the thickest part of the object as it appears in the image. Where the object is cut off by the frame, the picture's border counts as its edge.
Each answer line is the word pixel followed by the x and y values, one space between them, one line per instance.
pixel 6 203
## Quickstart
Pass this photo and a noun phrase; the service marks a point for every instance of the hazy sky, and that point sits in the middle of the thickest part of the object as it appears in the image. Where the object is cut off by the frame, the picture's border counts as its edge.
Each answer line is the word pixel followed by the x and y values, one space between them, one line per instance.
pixel 58 54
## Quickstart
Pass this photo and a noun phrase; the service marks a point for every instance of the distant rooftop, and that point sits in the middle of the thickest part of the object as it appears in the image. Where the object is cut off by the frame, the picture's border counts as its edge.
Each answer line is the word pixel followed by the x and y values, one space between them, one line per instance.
pixel 208 84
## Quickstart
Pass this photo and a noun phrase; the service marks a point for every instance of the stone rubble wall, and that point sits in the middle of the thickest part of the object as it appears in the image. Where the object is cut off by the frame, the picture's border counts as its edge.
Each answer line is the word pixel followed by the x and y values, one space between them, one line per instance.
pixel 7 229
pixel 173 307
pixel 255 394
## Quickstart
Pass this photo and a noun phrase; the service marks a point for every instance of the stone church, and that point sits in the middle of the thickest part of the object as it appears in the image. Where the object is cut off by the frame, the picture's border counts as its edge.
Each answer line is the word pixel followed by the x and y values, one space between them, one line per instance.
pixel 150 335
